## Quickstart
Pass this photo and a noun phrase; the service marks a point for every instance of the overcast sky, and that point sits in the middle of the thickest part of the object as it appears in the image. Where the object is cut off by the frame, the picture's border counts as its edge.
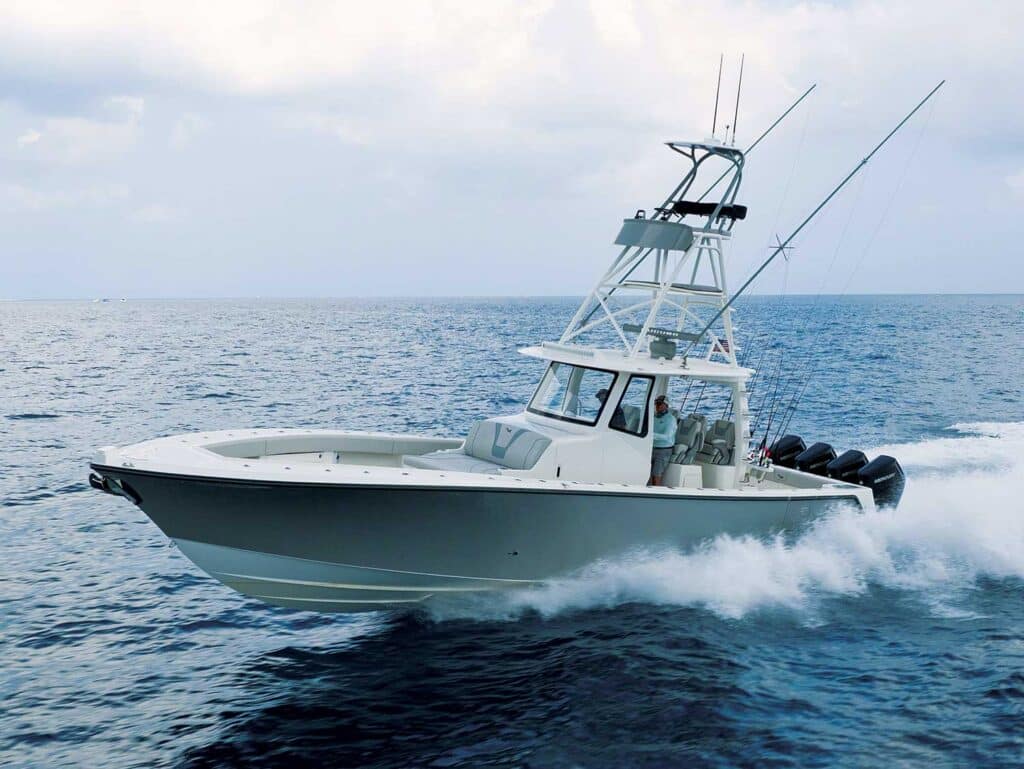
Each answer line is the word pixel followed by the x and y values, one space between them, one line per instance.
pixel 166 149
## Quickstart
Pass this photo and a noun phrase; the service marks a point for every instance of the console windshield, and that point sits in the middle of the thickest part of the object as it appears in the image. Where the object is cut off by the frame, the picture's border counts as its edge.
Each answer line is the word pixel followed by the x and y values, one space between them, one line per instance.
pixel 574 393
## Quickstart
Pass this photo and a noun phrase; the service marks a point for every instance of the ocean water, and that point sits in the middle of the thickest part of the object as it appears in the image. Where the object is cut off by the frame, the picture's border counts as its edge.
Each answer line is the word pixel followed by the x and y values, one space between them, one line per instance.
pixel 891 638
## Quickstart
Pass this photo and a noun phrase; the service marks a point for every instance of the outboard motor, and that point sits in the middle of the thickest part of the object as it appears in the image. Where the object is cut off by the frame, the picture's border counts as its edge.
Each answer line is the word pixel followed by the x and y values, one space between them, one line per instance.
pixel 785 450
pixel 884 476
pixel 816 458
pixel 846 466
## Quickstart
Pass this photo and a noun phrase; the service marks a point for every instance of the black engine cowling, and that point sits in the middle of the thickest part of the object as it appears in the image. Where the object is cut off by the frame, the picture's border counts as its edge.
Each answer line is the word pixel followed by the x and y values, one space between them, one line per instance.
pixel 846 466
pixel 884 476
pixel 816 458
pixel 785 450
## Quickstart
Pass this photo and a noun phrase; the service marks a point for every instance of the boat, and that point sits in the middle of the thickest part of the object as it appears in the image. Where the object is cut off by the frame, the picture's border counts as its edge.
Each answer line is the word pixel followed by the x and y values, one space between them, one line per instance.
pixel 341 521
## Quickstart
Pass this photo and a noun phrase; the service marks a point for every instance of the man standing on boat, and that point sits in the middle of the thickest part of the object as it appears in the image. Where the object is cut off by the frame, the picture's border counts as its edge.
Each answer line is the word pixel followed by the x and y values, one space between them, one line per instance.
pixel 664 440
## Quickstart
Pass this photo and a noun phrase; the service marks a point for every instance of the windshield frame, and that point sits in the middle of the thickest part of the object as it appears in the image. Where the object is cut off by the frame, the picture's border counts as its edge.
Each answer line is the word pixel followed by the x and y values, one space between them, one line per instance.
pixel 564 417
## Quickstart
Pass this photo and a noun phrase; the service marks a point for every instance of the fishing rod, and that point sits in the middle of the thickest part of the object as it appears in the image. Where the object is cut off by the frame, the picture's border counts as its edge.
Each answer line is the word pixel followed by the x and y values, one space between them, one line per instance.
pixel 814 362
pixel 771 411
pixel 782 246
pixel 707 192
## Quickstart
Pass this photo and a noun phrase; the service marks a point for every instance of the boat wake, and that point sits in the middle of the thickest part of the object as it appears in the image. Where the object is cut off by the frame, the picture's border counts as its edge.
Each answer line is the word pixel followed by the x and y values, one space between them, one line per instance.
pixel 959 521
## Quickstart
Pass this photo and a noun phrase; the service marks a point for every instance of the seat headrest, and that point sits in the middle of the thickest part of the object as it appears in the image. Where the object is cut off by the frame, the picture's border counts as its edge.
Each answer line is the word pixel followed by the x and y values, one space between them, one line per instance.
pixel 686 430
pixel 724 428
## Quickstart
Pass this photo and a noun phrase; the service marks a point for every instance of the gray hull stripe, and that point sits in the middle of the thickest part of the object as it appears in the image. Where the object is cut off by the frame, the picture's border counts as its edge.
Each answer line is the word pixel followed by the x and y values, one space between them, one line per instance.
pixel 390 588
pixel 338 600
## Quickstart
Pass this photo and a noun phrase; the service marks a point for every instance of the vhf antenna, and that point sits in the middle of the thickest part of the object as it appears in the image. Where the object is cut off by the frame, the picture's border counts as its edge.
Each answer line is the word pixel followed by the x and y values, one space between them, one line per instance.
pixel 718 90
pixel 736 114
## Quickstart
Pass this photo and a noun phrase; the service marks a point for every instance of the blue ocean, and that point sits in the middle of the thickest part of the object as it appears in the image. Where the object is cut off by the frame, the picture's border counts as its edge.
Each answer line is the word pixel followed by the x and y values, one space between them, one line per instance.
pixel 894 638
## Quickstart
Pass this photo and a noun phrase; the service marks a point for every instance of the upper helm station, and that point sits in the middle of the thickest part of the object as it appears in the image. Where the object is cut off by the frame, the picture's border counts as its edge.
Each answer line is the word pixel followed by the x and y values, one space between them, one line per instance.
pixel 668 281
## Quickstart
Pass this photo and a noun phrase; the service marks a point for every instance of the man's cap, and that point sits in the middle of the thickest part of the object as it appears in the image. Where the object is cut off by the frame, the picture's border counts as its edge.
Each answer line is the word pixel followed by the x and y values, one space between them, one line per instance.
pixel 661 399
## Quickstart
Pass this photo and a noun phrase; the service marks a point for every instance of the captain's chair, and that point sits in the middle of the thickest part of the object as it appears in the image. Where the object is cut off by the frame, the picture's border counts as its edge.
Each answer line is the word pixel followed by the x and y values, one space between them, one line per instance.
pixel 689 439
pixel 718 444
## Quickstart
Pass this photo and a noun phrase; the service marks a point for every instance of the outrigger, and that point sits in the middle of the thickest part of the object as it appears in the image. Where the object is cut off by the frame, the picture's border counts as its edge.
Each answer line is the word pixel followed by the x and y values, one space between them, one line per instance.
pixel 332 520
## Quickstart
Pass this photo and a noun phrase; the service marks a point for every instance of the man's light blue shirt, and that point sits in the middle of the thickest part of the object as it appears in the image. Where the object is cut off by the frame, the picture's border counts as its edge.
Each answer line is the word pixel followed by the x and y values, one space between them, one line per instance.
pixel 664 430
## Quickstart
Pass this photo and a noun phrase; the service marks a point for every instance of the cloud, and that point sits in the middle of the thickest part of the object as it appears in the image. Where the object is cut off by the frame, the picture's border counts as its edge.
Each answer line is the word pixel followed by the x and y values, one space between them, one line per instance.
pixel 19 198
pixel 126 109
pixel 78 139
pixel 377 139
pixel 29 137
pixel 186 129
pixel 155 213
pixel 1016 182
pixel 265 47
pixel 531 67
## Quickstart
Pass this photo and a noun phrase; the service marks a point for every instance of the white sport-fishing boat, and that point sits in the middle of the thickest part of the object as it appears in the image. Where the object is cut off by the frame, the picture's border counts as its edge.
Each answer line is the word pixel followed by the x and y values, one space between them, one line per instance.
pixel 332 520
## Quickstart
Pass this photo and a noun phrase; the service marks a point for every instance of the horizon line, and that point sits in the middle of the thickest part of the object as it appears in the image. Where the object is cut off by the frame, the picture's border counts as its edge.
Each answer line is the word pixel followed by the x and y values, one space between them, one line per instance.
pixel 286 297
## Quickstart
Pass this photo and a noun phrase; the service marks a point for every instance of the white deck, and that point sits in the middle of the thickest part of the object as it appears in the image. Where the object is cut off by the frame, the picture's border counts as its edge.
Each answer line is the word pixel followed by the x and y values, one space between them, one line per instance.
pixel 374 459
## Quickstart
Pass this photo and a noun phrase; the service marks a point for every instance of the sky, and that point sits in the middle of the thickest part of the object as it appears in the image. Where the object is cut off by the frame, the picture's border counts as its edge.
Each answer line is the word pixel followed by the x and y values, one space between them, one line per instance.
pixel 237 149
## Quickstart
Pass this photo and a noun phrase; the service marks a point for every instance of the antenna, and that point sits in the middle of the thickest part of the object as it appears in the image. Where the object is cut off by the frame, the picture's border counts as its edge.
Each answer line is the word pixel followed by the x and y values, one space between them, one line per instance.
pixel 736 114
pixel 714 120
pixel 757 141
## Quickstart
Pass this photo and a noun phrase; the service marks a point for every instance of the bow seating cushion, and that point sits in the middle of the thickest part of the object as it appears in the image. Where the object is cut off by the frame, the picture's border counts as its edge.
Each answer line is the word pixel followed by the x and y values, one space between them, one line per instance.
pixel 454 461
pixel 492 445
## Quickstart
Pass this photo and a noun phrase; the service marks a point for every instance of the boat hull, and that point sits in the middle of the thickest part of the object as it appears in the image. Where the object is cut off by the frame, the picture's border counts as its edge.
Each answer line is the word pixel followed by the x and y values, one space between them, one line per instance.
pixel 337 547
